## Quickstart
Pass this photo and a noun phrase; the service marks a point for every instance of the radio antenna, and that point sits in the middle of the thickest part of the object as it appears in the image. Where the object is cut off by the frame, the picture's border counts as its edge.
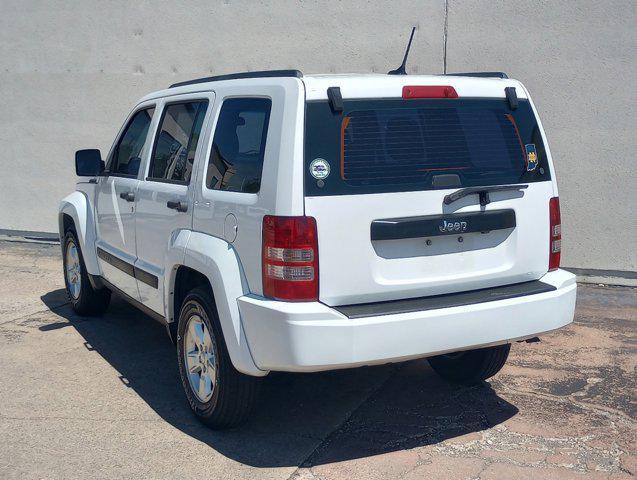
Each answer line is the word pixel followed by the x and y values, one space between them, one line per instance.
pixel 401 70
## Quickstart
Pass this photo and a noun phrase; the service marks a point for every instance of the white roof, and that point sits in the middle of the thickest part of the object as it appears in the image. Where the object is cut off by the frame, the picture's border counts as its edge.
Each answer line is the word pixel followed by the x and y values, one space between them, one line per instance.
pixel 381 85
pixel 356 85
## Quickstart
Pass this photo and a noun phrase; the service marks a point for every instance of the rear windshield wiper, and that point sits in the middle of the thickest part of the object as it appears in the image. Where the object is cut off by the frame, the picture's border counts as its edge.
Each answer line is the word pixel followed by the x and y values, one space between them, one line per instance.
pixel 483 192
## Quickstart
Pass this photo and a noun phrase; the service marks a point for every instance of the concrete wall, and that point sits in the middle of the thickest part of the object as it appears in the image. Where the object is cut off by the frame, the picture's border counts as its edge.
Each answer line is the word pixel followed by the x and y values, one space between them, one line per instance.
pixel 70 71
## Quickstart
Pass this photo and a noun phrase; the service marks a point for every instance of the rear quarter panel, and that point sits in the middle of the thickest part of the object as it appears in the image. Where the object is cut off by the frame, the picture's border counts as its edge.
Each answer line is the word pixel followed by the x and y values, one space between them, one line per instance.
pixel 281 191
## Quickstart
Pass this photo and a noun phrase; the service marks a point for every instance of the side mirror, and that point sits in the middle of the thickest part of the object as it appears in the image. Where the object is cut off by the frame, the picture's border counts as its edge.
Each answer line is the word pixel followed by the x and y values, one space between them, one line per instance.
pixel 88 163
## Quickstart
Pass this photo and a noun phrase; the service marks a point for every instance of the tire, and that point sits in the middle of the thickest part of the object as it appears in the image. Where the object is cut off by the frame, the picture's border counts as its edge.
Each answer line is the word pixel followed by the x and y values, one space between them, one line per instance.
pixel 85 299
pixel 218 394
pixel 472 366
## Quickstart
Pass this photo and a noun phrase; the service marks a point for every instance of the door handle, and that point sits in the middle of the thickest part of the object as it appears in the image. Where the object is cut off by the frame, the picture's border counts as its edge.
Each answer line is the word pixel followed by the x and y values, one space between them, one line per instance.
pixel 177 205
pixel 128 196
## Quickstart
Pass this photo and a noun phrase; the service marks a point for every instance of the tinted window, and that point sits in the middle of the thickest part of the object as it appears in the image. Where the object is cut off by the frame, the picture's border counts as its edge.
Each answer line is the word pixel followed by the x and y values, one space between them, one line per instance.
pixel 401 145
pixel 126 157
pixel 176 142
pixel 236 158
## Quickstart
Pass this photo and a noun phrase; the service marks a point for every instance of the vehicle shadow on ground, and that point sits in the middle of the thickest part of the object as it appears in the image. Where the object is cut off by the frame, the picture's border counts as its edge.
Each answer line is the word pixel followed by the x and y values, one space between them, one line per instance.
pixel 406 405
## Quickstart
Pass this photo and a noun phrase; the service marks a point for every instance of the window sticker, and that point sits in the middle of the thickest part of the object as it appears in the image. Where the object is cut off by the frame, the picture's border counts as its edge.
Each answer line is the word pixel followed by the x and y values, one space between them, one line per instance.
pixel 531 157
pixel 320 168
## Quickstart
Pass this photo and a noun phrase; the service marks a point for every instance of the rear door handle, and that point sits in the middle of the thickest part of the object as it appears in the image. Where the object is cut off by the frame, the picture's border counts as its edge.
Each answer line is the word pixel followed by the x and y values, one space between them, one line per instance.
pixel 177 205
pixel 128 196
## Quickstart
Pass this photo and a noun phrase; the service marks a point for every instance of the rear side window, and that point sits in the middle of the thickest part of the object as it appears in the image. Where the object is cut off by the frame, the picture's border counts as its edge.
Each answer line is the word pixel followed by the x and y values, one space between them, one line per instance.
pixel 238 147
pixel 127 154
pixel 403 145
pixel 176 142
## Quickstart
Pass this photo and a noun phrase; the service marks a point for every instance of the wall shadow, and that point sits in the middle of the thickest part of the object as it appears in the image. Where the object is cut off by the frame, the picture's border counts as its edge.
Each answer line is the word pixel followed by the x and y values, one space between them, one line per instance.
pixel 413 407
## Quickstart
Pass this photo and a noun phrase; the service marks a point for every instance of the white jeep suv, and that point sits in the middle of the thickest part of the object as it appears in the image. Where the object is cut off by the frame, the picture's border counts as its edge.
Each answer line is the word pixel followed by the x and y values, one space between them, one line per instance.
pixel 280 222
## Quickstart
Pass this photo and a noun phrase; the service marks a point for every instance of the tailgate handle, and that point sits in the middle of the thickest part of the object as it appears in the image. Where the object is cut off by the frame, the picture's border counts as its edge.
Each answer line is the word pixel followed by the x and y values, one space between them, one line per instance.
pixel 483 193
pixel 439 225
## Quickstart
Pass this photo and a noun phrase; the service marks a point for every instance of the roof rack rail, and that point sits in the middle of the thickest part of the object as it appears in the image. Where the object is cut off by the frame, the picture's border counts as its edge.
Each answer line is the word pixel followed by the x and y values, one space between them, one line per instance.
pixel 479 74
pixel 235 76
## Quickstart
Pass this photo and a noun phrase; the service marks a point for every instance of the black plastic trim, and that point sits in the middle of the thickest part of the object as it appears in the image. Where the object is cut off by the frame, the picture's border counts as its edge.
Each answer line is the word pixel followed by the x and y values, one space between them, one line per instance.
pixel 145 277
pixel 240 75
pixel 512 97
pixel 95 281
pixel 432 225
pixel 116 262
pixel 124 266
pixel 479 74
pixel 135 303
pixel 435 302
pixel 335 99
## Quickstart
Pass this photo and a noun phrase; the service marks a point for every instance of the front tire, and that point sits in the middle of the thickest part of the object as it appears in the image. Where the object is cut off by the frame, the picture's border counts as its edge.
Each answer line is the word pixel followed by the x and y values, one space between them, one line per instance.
pixel 472 366
pixel 84 299
pixel 218 394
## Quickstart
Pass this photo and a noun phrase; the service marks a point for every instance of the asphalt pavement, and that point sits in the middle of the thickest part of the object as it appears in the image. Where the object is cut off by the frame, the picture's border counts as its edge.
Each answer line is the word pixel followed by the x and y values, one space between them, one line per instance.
pixel 101 398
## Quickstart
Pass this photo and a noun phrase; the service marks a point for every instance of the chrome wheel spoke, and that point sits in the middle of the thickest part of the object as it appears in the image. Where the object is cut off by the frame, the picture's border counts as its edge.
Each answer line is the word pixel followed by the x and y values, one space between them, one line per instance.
pixel 192 361
pixel 73 270
pixel 200 358
pixel 207 342
pixel 196 330
pixel 194 379
pixel 210 360
pixel 205 386
pixel 212 373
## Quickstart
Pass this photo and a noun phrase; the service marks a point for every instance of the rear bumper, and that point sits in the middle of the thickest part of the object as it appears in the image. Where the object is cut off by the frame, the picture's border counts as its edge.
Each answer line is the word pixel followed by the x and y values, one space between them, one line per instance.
pixel 311 336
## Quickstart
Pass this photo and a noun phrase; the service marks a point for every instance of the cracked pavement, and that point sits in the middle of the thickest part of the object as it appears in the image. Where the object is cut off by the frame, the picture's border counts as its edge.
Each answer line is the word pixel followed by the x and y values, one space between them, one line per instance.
pixel 100 398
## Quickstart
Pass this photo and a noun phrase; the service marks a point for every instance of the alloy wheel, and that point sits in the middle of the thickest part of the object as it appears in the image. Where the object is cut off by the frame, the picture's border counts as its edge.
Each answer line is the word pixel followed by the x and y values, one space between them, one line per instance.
pixel 73 270
pixel 200 358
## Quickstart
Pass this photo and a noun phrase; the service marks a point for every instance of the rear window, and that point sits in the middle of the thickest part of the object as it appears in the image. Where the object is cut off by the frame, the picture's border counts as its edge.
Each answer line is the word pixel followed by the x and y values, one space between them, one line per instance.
pixel 376 146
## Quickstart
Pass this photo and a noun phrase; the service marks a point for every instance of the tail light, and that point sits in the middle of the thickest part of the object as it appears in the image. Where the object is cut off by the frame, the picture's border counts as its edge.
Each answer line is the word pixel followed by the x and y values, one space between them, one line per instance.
pixel 290 258
pixel 555 237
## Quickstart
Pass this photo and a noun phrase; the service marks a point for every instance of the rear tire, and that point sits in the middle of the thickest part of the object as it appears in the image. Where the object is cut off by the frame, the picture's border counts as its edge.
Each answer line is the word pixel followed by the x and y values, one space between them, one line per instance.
pixel 472 366
pixel 84 299
pixel 218 394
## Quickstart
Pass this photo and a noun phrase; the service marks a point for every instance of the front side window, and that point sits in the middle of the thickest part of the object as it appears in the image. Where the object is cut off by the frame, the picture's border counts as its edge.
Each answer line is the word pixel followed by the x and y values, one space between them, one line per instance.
pixel 176 143
pixel 127 154
pixel 238 148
